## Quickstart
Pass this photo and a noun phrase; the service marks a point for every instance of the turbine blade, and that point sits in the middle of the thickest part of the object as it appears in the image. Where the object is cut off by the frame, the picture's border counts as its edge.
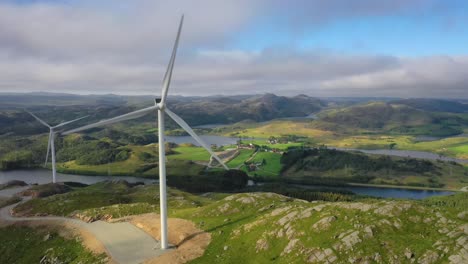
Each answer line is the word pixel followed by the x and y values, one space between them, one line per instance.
pixel 131 115
pixel 68 122
pixel 168 75
pixel 48 148
pixel 38 119
pixel 189 130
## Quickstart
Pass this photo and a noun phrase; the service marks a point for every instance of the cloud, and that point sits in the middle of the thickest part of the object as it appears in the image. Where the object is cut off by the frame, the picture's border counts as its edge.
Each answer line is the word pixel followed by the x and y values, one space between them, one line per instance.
pixel 122 47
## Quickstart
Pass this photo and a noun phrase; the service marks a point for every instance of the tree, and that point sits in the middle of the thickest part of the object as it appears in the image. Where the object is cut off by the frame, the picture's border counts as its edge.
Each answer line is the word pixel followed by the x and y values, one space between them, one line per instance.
pixel 234 179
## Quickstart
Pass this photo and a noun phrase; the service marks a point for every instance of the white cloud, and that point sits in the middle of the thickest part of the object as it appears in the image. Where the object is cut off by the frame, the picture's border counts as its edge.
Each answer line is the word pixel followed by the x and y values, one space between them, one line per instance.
pixel 123 47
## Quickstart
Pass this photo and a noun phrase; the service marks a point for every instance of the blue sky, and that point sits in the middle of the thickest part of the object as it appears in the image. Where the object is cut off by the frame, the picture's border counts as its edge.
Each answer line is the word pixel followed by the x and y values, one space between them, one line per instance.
pixel 423 31
pixel 362 47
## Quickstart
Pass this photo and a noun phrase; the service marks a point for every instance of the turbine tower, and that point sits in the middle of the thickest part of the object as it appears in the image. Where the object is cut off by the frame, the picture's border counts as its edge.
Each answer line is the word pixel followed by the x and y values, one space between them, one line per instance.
pixel 51 142
pixel 160 106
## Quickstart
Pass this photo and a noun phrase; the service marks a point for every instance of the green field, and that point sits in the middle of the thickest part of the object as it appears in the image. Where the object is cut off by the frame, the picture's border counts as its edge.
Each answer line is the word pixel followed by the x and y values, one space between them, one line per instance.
pixel 41 245
pixel 239 160
pixel 272 166
pixel 190 153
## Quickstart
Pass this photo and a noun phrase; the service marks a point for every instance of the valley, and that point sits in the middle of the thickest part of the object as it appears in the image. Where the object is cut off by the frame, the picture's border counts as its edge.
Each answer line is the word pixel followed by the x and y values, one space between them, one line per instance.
pixel 257 146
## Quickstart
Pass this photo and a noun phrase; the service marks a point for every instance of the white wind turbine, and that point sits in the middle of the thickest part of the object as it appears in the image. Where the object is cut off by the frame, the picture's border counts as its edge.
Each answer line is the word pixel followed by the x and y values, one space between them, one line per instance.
pixel 51 142
pixel 160 106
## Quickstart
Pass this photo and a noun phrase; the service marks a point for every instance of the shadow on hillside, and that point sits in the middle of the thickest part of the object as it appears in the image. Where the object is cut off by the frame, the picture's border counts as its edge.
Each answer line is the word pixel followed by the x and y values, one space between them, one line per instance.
pixel 211 230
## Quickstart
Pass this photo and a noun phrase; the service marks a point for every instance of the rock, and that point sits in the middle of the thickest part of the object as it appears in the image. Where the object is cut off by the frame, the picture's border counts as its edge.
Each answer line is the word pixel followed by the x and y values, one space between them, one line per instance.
pixel 368 232
pixel 319 208
pixel 460 258
pixel 285 219
pixel 280 233
pixel 261 245
pixel 246 200
pixel 464 228
pixel 463 215
pixel 385 221
pixel 46 237
pixel 377 257
pixel 428 257
pixel 289 247
pixel 279 211
pixel 462 241
pixel 249 226
pixel 364 207
pixel 397 224
pixel 324 223
pixel 409 254
pixel 386 210
pixel 318 255
pixel 306 213
pixel 348 241
pixel 223 208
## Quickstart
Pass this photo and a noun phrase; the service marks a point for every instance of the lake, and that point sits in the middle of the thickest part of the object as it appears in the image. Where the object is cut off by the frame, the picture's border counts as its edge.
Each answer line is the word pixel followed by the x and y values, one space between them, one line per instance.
pixel 384 192
pixel 42 176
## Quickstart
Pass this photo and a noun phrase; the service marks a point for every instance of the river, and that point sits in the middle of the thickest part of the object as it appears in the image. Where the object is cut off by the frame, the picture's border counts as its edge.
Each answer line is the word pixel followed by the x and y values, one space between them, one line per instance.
pixel 42 176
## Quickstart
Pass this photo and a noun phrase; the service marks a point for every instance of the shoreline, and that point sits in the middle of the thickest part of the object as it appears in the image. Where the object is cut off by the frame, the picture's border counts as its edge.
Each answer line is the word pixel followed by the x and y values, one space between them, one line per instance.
pixel 388 186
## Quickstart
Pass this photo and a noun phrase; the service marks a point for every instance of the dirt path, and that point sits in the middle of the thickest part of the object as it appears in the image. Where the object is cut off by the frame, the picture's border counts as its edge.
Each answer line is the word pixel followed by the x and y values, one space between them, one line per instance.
pixel 127 240
pixel 124 242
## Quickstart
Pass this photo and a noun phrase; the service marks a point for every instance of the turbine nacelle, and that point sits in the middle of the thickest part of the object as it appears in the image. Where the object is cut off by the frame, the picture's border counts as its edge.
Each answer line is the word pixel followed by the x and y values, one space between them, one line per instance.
pixel 50 143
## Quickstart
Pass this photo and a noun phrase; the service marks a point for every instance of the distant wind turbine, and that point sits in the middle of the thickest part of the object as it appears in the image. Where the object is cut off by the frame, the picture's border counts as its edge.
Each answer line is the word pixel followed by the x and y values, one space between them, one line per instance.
pixel 160 106
pixel 51 142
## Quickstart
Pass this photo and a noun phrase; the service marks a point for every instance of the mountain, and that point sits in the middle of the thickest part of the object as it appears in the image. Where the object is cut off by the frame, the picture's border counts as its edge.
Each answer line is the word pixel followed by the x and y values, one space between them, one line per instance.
pixel 232 109
pixel 435 105
pixel 395 118
pixel 55 108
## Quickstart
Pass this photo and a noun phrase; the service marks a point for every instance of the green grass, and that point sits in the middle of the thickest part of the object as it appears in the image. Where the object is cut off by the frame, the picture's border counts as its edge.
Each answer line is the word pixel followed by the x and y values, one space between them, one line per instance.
pixel 271 168
pixel 273 128
pixel 238 222
pixel 462 150
pixel 99 199
pixel 7 201
pixel 190 153
pixel 27 245
pixel 237 231
pixel 239 160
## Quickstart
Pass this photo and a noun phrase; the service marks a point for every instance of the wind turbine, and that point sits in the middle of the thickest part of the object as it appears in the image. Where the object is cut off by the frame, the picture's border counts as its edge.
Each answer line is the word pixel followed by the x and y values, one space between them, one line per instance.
pixel 51 142
pixel 160 106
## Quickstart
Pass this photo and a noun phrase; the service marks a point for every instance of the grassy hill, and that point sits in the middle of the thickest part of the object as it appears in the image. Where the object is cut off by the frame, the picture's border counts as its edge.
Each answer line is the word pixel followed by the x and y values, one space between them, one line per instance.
pixel 267 227
pixel 327 166
pixel 435 105
pixel 55 108
pixel 396 119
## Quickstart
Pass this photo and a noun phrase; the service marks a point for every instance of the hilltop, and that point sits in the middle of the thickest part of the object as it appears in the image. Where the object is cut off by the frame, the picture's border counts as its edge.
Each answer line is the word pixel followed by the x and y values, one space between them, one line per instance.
pixel 263 227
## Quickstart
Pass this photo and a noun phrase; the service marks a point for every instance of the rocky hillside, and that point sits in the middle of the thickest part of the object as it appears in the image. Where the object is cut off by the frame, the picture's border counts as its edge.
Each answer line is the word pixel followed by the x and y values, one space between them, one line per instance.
pixel 266 227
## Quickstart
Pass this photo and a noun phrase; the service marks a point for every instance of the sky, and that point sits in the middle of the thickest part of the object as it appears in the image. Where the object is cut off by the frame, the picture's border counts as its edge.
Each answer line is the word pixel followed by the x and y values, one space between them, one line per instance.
pixel 359 48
